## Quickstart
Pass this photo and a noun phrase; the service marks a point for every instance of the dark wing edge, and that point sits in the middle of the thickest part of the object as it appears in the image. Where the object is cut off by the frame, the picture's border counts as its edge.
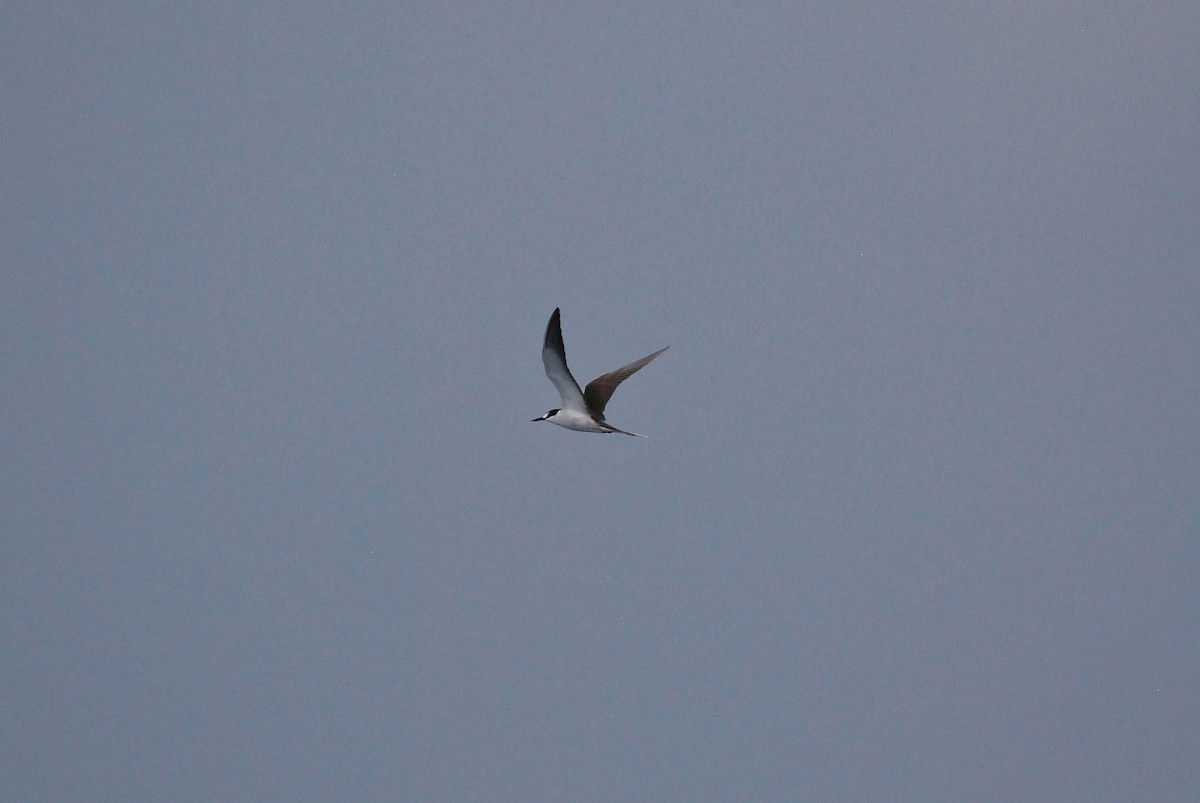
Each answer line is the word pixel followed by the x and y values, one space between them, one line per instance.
pixel 554 333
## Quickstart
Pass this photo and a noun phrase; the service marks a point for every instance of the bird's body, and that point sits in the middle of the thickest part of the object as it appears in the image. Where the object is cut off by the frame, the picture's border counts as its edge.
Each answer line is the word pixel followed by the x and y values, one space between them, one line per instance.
pixel 582 411
pixel 580 422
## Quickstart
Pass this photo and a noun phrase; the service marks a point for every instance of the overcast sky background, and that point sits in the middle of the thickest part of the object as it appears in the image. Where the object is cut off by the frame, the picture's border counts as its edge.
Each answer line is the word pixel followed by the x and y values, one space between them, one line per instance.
pixel 918 516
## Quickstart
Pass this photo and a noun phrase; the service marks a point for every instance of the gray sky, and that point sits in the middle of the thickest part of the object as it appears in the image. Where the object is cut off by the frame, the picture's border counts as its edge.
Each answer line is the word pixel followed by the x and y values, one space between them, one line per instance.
pixel 918 514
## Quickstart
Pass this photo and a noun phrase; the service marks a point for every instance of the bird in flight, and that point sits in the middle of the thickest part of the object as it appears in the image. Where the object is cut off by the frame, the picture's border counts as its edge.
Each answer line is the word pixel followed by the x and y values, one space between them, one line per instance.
pixel 582 411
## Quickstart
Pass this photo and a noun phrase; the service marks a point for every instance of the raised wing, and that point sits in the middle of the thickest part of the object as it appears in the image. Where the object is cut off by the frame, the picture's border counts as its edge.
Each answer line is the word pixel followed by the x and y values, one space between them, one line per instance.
pixel 554 357
pixel 600 390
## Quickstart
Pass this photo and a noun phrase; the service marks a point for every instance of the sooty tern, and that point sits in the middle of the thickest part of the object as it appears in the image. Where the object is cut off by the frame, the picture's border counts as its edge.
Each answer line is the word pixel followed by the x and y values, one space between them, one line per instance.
pixel 582 411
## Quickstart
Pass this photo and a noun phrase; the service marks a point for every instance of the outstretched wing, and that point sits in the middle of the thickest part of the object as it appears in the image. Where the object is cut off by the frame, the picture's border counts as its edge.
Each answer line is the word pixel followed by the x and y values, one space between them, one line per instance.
pixel 600 390
pixel 554 357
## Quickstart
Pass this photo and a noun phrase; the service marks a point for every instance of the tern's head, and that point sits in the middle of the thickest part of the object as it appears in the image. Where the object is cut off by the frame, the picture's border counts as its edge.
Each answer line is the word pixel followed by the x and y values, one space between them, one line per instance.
pixel 550 414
